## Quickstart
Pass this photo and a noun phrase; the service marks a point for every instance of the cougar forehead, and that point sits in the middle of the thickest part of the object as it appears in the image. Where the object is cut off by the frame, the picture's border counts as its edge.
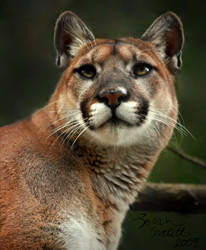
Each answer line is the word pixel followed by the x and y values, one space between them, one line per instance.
pixel 125 49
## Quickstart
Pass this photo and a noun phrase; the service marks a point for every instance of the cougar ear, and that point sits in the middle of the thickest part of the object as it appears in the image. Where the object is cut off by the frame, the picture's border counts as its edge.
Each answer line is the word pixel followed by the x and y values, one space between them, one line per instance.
pixel 166 34
pixel 70 35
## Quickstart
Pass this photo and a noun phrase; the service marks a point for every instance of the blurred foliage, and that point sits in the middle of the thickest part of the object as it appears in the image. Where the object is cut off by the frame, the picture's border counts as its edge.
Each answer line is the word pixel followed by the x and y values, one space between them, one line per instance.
pixel 28 76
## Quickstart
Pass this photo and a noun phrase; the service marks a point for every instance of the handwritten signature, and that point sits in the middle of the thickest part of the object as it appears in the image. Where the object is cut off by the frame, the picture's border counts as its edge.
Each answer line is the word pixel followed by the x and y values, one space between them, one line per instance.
pixel 165 227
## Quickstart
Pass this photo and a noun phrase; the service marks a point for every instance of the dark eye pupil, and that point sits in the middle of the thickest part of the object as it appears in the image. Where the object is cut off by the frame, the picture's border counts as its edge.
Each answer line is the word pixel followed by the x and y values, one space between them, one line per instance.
pixel 87 71
pixel 141 69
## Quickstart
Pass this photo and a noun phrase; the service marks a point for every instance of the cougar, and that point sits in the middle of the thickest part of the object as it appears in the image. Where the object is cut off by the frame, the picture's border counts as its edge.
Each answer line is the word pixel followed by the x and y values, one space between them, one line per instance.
pixel 69 172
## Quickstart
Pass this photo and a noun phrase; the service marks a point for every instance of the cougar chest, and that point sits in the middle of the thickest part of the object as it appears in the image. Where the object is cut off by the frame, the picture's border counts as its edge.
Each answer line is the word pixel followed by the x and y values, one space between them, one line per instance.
pixel 78 233
pixel 83 234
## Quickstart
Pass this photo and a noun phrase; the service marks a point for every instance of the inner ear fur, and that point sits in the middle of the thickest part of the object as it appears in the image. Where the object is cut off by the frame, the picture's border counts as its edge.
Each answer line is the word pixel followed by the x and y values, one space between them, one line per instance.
pixel 166 34
pixel 70 35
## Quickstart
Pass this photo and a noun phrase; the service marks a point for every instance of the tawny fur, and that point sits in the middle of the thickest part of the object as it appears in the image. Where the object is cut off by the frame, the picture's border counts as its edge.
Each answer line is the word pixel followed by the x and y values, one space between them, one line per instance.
pixel 65 188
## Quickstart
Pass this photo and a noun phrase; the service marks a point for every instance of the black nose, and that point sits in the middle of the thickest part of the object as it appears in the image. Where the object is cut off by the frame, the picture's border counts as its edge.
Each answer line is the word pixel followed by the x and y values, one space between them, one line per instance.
pixel 112 97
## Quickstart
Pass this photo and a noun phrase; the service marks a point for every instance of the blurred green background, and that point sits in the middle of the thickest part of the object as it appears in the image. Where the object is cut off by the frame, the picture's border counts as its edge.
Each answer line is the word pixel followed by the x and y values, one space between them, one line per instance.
pixel 28 76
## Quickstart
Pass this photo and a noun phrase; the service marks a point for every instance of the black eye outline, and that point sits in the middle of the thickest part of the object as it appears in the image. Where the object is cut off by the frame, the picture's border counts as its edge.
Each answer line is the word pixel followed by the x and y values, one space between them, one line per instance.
pixel 87 71
pixel 141 66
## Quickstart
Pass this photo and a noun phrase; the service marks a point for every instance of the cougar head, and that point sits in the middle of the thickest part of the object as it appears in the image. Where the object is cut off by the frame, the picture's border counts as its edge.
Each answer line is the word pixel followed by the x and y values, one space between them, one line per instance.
pixel 118 92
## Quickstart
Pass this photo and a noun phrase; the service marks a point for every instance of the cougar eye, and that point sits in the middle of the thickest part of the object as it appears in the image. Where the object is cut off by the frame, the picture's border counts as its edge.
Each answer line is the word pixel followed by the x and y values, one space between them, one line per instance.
pixel 141 69
pixel 87 71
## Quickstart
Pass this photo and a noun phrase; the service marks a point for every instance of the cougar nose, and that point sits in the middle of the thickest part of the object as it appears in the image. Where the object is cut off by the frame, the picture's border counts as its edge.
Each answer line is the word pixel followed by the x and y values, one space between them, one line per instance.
pixel 112 97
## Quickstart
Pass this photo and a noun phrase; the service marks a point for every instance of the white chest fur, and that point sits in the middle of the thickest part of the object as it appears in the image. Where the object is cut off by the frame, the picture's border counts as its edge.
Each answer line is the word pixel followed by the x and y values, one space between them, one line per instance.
pixel 79 234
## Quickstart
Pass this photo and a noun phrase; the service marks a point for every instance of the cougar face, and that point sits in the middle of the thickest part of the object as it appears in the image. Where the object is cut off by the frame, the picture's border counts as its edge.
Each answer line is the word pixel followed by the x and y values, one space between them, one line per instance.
pixel 117 92
pixel 120 87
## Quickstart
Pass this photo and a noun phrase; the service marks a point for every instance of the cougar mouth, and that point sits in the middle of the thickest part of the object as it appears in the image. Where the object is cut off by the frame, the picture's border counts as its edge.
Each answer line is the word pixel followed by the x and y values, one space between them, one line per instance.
pixel 114 121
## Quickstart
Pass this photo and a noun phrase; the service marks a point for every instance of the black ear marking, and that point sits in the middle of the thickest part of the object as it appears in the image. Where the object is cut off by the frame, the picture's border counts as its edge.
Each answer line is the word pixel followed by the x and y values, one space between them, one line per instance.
pixel 166 34
pixel 70 35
